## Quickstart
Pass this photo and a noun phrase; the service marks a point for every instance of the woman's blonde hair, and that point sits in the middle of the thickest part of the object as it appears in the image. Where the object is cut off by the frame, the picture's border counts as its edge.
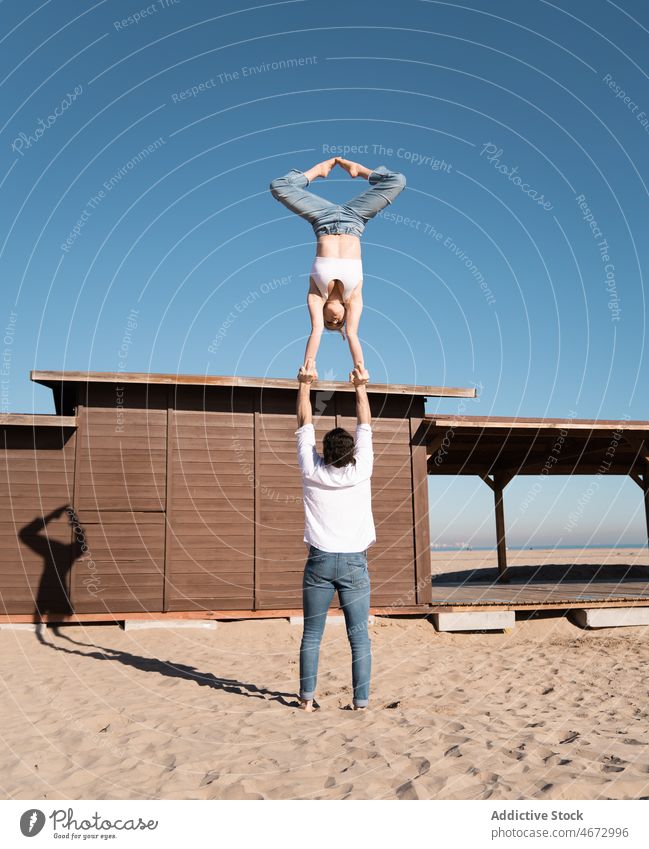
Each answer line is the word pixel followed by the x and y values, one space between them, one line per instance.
pixel 336 328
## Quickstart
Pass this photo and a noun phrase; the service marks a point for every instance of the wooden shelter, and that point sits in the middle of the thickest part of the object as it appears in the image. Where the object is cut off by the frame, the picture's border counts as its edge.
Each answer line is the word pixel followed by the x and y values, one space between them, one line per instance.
pixel 180 495
pixel 497 449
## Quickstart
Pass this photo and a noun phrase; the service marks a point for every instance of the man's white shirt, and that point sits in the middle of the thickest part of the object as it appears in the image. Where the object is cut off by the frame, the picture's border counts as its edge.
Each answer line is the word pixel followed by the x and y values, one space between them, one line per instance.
pixel 337 502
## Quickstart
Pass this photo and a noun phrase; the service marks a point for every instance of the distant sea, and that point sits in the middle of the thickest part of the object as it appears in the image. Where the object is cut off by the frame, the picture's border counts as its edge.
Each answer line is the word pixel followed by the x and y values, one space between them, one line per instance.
pixel 537 547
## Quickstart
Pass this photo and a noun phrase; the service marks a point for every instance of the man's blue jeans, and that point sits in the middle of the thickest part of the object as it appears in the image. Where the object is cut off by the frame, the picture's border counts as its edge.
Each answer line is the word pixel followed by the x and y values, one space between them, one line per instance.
pixel 324 573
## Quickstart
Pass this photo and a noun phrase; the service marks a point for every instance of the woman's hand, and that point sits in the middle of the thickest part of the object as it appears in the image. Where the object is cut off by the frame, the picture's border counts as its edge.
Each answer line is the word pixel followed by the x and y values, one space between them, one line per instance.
pixel 307 372
pixel 359 375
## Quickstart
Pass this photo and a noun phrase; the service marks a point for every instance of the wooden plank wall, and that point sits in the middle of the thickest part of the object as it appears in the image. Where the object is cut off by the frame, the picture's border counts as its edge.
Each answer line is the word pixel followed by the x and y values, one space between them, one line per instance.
pixel 211 493
pixel 122 448
pixel 36 479
pixel 119 497
pixel 121 568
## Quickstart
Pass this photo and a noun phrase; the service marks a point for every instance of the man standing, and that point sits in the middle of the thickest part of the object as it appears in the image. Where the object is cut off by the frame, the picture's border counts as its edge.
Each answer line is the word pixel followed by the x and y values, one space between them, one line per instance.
pixel 339 528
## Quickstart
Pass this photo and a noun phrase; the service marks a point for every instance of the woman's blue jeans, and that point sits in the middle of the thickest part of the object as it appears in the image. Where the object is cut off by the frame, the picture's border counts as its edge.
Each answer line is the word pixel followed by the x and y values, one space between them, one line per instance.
pixel 335 218
pixel 324 573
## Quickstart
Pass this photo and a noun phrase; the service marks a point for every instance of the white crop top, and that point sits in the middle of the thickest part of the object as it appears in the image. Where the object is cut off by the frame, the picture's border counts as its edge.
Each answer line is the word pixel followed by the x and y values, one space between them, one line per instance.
pixel 328 268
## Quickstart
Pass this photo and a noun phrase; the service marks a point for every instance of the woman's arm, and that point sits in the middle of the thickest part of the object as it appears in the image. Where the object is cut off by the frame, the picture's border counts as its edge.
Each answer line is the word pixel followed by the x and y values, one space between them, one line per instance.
pixel 353 317
pixel 315 303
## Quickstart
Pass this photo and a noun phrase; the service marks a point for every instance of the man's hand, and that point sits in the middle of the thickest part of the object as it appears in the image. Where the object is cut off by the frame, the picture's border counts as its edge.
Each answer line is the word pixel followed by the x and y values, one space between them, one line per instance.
pixel 359 375
pixel 307 372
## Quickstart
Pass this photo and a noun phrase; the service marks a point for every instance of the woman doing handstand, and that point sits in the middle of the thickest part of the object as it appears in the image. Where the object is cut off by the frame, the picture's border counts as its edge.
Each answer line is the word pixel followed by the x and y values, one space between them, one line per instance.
pixel 335 286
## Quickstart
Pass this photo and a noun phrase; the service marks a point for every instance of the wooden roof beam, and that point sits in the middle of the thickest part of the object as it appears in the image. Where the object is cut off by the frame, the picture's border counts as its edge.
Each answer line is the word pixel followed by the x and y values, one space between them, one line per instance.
pixel 37 420
pixel 54 379
pixel 493 423
pixel 562 460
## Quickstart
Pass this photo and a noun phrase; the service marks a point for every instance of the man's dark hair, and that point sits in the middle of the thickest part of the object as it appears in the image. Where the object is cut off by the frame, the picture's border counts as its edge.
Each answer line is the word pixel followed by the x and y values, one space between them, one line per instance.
pixel 338 448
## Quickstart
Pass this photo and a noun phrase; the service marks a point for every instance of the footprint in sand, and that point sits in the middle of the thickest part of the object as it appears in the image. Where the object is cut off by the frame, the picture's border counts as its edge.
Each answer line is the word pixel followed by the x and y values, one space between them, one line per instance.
pixel 556 760
pixel 422 765
pixel 407 791
pixel 209 778
pixel 611 763
pixel 516 754
pixel 570 738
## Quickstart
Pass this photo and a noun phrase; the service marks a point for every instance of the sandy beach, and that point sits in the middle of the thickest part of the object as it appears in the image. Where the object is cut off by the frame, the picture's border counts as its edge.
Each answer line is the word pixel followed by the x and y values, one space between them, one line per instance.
pixel 548 711
pixel 585 562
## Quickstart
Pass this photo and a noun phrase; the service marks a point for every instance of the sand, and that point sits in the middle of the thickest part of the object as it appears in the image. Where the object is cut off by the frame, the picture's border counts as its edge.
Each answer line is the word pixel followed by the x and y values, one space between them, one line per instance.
pixel 585 562
pixel 548 711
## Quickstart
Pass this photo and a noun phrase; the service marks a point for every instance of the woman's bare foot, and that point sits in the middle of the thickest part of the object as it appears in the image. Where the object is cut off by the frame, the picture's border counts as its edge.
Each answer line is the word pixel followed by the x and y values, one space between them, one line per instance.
pixel 350 167
pixel 327 165
pixel 322 169
pixel 354 169
pixel 308 705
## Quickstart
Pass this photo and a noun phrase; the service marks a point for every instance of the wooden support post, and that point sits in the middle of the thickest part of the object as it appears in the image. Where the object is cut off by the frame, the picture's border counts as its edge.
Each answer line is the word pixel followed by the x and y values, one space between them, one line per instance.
pixel 80 433
pixel 645 482
pixel 423 588
pixel 256 546
pixel 497 483
pixel 641 447
pixel 168 514
pixel 500 530
pixel 488 481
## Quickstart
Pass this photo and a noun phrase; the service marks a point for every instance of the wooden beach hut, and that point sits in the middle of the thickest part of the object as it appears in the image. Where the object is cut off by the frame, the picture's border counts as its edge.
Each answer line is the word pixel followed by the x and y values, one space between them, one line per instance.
pixel 154 494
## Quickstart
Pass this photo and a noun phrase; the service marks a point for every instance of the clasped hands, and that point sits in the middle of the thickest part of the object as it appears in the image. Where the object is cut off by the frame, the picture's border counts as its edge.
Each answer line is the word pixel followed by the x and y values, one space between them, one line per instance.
pixel 307 374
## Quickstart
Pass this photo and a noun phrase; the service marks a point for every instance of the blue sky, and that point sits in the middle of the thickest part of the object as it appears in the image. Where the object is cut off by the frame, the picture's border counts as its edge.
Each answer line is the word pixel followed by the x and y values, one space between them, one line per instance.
pixel 138 142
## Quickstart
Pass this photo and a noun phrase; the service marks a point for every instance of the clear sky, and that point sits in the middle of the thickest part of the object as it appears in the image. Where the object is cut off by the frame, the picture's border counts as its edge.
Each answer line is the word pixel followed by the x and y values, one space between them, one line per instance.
pixel 138 142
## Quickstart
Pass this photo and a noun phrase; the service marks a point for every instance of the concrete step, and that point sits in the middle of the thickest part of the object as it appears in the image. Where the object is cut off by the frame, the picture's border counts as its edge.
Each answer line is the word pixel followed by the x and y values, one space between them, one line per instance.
pixel 146 624
pixel 611 617
pixel 475 620
pixel 332 619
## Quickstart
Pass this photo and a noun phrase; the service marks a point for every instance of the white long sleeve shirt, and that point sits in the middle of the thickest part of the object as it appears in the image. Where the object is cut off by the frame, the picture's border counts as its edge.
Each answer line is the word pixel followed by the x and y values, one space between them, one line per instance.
pixel 337 502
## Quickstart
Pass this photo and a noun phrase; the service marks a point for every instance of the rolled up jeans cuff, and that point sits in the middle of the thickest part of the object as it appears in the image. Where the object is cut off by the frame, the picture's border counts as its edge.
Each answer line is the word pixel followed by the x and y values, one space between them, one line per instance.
pixel 307 697
pixel 377 174
pixel 361 703
pixel 303 174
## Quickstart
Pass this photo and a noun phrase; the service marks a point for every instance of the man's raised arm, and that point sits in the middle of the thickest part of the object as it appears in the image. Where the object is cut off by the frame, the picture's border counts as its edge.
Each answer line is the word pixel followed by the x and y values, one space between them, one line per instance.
pixel 359 377
pixel 363 451
pixel 306 376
